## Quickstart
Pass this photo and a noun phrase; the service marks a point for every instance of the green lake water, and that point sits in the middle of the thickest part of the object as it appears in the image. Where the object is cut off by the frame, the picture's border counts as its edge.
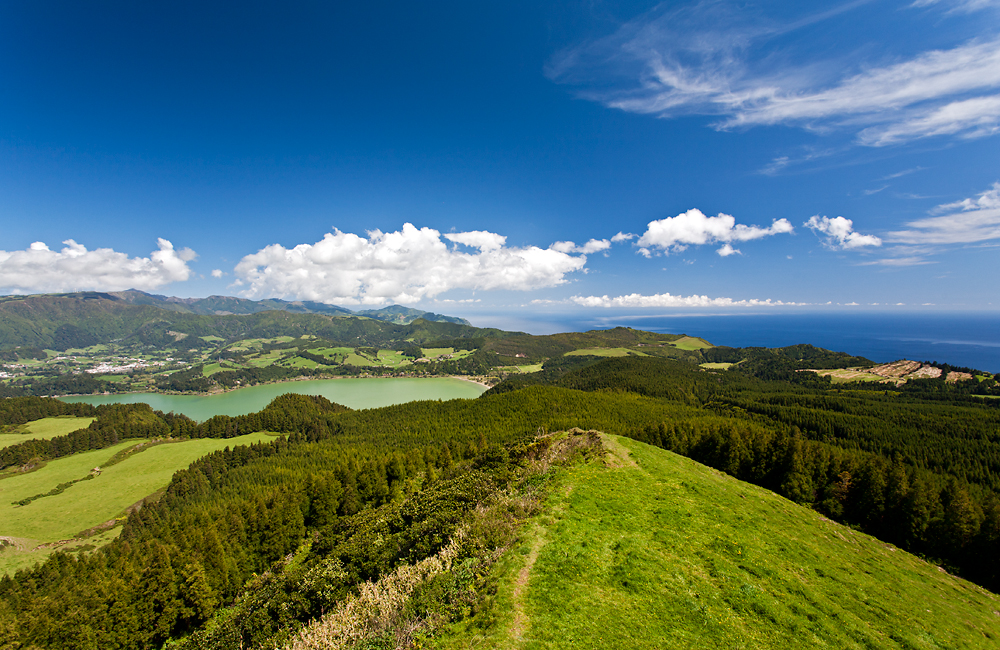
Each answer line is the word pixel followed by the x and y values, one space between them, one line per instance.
pixel 355 393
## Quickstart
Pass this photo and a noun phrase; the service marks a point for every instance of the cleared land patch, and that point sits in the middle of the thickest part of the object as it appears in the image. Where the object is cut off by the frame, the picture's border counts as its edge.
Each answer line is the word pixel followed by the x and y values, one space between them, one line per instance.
pixel 44 429
pixel 606 352
pixel 845 375
pixel 691 343
pixel 90 502
pixel 715 366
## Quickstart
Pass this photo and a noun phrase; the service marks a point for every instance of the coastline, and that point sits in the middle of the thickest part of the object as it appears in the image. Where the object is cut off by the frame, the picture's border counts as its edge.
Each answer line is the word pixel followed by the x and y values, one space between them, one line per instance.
pixel 224 391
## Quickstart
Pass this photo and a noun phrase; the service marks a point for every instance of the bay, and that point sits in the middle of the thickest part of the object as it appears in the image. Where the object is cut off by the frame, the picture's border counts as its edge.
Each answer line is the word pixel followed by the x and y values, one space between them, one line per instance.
pixel 351 392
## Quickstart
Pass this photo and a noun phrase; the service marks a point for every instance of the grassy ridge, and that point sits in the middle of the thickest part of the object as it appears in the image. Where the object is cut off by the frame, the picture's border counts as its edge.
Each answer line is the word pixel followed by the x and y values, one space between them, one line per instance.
pixel 660 551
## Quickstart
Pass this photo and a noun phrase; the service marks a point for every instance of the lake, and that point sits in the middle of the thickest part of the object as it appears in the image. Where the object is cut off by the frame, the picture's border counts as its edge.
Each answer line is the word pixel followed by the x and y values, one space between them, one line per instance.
pixel 355 393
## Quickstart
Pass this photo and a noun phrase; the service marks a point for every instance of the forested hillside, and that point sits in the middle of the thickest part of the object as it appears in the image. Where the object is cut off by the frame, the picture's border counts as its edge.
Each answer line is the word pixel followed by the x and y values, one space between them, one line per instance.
pixel 80 320
pixel 347 497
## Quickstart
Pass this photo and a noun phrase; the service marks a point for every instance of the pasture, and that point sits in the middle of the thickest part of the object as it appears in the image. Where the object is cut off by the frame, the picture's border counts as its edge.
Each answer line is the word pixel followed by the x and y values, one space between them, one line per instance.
pixel 44 429
pixel 90 502
pixel 691 343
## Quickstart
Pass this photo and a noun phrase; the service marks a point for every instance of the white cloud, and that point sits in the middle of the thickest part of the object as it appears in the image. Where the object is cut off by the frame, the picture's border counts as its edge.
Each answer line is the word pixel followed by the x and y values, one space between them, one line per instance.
pixel 592 246
pixel 74 268
pixel 484 241
pixel 728 250
pixel 623 236
pixel 404 266
pixel 669 300
pixel 217 273
pixel 971 118
pixel 840 232
pixel 965 222
pixel 722 59
pixel 694 228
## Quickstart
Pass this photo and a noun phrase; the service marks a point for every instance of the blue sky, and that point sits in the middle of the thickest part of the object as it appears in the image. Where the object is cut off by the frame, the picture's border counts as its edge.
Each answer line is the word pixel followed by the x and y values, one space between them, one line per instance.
pixel 477 157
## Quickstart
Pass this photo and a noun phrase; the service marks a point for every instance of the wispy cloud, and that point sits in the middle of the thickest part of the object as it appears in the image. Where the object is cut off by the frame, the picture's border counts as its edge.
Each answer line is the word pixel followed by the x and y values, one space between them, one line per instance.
pixel 970 118
pixel 717 59
pixel 905 172
pixel 839 233
pixel 669 300
pixel 962 222
pixel 404 266
pixel 74 268
pixel 967 6
pixel 899 261
pixel 694 228
pixel 875 191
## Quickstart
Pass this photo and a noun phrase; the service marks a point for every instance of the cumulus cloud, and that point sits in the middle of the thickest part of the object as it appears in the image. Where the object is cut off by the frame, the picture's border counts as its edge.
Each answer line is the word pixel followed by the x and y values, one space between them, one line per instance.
pixel 722 59
pixel 669 300
pixel 484 241
pixel 694 228
pixel 839 233
pixel 403 266
pixel 74 268
pixel 217 273
pixel 963 222
pixel 728 250
pixel 623 236
pixel 592 246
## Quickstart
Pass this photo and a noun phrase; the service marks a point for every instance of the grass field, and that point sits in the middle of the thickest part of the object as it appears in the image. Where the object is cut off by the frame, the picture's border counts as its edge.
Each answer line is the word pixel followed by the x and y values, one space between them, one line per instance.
pixel 91 502
pixel 716 366
pixel 691 343
pixel 44 429
pixel 606 352
pixel 524 370
pixel 210 369
pixel 657 551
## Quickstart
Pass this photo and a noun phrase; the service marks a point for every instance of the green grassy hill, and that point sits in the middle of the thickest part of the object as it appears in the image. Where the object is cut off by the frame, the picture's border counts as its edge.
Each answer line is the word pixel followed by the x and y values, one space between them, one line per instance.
pixel 652 550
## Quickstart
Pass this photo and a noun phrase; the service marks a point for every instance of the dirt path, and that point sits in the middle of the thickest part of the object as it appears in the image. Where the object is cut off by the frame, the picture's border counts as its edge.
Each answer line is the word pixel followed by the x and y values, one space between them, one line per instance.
pixel 618 456
pixel 520 624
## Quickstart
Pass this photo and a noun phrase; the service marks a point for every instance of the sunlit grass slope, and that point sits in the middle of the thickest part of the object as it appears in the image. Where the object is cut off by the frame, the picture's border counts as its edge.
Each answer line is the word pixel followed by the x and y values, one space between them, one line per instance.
pixel 88 503
pixel 44 429
pixel 657 551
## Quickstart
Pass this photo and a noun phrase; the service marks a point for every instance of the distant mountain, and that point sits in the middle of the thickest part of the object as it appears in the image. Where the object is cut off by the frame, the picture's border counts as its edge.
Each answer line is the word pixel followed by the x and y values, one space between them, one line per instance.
pixel 225 305
pixel 230 305
pixel 406 315
pixel 62 321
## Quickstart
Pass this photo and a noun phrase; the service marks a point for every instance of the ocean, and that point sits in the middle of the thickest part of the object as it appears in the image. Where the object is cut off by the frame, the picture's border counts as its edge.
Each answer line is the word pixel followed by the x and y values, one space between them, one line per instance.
pixel 970 340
